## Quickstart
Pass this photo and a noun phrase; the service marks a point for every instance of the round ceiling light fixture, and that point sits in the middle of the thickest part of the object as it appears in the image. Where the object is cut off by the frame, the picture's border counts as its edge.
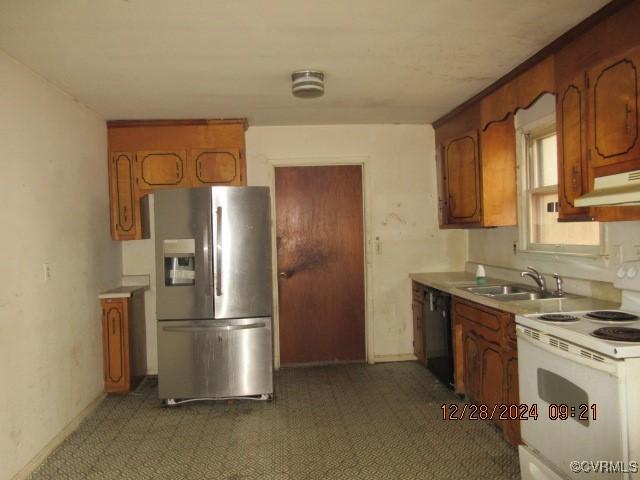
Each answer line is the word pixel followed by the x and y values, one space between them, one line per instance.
pixel 307 83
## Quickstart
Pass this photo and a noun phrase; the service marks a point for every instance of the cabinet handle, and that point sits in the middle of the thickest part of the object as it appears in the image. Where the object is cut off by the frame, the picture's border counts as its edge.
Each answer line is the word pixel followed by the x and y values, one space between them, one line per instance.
pixel 627 111
pixel 199 168
pixel 113 328
pixel 177 171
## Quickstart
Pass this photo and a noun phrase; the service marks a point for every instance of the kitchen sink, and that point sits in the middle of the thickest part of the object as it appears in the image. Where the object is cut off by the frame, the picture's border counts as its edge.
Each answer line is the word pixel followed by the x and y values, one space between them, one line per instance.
pixel 511 293
pixel 500 289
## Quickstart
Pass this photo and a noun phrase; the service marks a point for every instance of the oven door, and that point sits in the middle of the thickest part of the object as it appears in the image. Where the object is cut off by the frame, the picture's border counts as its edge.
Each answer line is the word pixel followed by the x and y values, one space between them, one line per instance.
pixel 554 373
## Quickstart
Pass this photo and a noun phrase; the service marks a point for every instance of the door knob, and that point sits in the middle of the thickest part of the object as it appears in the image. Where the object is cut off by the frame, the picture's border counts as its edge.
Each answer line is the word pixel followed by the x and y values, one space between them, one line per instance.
pixel 283 274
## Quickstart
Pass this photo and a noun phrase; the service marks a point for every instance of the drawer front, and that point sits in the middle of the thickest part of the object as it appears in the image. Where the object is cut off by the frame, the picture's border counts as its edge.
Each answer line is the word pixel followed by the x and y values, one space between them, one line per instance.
pixel 486 317
pixel 215 358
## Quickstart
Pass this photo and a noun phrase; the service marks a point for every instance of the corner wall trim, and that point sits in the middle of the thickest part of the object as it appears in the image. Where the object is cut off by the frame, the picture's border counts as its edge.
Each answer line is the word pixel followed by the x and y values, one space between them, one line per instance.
pixel 58 439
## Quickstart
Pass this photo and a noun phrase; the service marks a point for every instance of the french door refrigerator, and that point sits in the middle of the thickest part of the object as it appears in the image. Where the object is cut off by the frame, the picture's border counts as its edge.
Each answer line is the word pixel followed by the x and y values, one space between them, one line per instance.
pixel 213 292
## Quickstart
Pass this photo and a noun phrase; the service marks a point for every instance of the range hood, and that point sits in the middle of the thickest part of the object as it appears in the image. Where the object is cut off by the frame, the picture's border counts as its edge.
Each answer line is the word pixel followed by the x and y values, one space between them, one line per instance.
pixel 619 189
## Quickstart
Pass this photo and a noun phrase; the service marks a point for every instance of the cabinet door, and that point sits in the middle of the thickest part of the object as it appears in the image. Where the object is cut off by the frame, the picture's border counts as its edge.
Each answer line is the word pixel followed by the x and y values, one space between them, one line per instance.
pixel 418 331
pixel 216 167
pixel 613 113
pixel 123 196
pixel 498 160
pixel 511 395
pixel 572 169
pixel 162 169
pixel 492 374
pixel 471 349
pixel 461 170
pixel 115 343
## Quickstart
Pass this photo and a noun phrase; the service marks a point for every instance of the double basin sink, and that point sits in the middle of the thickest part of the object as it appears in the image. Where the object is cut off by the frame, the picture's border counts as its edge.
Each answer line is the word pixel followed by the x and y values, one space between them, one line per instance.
pixel 513 292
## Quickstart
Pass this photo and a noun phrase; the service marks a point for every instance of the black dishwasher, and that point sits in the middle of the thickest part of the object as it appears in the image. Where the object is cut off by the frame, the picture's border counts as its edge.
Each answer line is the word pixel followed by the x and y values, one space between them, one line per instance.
pixel 438 342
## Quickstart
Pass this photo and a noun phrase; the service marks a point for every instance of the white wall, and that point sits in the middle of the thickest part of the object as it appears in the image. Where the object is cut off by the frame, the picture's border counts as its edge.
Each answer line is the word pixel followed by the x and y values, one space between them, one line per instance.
pixel 53 192
pixel 401 209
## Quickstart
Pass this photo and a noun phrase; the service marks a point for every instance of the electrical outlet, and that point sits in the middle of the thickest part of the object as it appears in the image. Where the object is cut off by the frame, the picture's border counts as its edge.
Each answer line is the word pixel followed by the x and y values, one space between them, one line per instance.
pixel 616 254
pixel 46 272
pixel 636 249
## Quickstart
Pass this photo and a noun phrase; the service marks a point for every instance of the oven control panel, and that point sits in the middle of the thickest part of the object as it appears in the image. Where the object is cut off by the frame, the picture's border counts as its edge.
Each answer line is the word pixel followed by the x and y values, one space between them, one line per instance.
pixel 628 276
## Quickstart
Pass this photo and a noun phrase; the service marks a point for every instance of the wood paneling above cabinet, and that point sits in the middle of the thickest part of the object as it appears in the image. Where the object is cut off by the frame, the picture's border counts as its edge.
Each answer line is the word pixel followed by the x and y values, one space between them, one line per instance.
pixel 521 92
pixel 149 155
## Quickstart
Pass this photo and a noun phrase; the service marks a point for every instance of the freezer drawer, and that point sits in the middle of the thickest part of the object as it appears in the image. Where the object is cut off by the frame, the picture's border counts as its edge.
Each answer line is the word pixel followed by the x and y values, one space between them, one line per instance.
pixel 215 358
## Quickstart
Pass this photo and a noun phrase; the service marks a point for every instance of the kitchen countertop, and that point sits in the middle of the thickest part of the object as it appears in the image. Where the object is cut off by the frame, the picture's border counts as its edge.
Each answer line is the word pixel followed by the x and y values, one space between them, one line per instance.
pixel 453 283
pixel 125 291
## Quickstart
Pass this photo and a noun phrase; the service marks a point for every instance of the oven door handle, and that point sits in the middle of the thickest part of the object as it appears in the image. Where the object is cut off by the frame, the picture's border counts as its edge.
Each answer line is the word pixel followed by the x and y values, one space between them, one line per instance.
pixel 607 364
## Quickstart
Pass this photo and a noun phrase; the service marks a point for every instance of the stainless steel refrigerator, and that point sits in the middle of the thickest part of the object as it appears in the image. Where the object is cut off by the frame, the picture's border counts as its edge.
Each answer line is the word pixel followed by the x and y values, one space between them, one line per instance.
pixel 213 292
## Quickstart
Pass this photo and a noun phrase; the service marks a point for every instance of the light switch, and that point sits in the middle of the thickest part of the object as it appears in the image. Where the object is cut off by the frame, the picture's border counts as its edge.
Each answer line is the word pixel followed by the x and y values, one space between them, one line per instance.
pixel 46 272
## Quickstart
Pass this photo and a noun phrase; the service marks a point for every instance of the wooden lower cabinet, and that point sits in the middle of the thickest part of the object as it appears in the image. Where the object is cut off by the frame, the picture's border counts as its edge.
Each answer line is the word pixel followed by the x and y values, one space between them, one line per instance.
pixel 417 306
pixel 471 361
pixel 123 342
pixel 487 360
pixel 511 394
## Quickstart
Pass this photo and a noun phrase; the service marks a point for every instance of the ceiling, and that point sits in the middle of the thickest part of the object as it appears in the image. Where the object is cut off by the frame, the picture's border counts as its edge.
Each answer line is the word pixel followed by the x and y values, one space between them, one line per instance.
pixel 385 61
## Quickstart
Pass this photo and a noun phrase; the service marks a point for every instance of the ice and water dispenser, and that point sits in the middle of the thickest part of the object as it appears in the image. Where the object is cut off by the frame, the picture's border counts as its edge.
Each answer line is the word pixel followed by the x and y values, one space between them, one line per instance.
pixel 179 262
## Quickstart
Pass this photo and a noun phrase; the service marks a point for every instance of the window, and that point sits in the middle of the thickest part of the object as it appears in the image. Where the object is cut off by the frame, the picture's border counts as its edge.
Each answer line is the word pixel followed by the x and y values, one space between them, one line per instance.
pixel 540 229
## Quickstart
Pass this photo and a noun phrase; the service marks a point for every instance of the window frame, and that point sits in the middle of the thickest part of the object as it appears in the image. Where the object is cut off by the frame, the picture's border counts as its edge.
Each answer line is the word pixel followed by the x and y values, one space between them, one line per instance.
pixel 535 130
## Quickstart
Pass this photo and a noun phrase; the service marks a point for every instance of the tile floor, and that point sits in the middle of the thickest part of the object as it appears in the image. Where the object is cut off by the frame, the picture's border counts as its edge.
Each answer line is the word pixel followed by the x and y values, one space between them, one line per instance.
pixel 342 422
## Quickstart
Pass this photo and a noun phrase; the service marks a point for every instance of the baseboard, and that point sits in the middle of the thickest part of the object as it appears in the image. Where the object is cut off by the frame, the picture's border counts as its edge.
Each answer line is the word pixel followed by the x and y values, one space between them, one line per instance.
pixel 402 357
pixel 58 439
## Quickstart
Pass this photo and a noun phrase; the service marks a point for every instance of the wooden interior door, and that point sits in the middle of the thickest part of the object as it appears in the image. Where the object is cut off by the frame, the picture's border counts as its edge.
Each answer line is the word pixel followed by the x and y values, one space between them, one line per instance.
pixel 320 246
pixel 462 179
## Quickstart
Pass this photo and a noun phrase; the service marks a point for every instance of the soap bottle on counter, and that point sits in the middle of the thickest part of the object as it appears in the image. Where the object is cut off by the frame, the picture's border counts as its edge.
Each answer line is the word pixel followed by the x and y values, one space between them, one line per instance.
pixel 481 276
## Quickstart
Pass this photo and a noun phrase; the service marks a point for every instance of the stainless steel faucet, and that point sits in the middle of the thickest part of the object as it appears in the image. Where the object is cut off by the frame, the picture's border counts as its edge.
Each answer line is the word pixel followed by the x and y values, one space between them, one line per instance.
pixel 559 291
pixel 536 276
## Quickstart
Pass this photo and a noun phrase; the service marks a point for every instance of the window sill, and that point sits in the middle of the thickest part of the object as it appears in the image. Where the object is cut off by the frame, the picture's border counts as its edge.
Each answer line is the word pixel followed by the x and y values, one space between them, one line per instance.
pixel 592 256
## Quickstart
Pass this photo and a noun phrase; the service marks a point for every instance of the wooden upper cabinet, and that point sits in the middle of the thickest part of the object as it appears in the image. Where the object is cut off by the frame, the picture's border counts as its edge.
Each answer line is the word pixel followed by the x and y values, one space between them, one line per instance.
pixel 613 111
pixel 124 196
pixel 216 167
pixel 149 155
pixel 478 177
pixel 572 168
pixel 498 167
pixel 462 182
pixel 162 169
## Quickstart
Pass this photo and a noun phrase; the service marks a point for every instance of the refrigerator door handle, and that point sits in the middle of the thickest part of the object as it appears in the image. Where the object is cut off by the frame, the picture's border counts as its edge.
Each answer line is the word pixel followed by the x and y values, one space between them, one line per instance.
pixel 213 327
pixel 219 251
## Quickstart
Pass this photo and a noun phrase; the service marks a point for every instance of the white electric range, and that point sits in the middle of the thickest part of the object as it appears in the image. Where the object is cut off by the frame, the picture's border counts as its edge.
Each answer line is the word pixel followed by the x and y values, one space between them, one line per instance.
pixel 581 370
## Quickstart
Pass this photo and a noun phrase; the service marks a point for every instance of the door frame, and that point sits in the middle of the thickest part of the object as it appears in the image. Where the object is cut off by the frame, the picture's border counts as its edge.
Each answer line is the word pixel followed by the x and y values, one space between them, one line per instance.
pixel 326 161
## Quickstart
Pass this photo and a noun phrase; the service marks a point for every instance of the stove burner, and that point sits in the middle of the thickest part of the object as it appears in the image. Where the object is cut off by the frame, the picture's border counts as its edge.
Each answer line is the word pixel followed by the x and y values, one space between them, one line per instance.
pixel 609 316
pixel 621 334
pixel 558 317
